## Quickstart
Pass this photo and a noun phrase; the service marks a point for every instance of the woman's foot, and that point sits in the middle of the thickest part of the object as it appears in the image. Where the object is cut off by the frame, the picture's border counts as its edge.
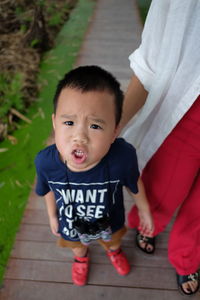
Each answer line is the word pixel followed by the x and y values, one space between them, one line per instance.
pixel 145 243
pixel 188 284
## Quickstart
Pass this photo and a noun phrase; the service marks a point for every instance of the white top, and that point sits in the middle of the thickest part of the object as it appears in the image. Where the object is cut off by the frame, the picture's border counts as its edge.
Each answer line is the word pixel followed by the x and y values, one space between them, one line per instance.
pixel 168 64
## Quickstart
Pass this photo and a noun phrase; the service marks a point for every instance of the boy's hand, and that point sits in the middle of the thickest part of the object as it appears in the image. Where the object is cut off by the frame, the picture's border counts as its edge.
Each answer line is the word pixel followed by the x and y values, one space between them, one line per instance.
pixel 146 226
pixel 54 225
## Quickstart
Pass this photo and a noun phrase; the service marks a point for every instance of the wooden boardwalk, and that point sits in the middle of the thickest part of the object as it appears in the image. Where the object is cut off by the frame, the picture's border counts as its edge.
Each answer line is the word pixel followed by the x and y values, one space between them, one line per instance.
pixel 37 268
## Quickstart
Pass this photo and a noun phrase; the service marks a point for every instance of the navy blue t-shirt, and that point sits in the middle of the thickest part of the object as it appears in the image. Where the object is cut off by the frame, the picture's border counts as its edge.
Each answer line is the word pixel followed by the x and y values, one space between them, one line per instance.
pixel 91 194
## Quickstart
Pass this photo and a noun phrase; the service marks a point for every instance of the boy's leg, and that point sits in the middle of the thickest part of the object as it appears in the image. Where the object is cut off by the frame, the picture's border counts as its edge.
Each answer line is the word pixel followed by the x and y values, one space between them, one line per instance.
pixel 80 266
pixel 80 251
pixel 115 253
pixel 184 243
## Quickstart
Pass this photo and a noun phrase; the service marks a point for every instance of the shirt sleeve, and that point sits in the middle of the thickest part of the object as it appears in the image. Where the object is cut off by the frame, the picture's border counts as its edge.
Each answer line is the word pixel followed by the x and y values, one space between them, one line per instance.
pixel 132 171
pixel 42 187
pixel 143 60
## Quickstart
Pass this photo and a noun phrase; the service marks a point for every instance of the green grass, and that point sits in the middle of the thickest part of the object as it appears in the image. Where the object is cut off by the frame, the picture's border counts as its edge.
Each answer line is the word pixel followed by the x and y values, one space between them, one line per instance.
pixel 143 6
pixel 17 171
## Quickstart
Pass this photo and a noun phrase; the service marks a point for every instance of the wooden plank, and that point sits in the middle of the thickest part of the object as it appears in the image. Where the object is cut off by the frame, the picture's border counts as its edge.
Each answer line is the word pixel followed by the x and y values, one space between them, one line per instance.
pixel 21 290
pixel 36 203
pixel 101 274
pixel 35 232
pixel 35 250
pixel 33 197
pixel 33 216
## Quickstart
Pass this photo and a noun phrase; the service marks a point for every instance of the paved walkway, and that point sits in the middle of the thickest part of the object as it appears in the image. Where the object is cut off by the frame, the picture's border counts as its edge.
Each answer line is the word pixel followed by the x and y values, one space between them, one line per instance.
pixel 37 269
pixel 114 33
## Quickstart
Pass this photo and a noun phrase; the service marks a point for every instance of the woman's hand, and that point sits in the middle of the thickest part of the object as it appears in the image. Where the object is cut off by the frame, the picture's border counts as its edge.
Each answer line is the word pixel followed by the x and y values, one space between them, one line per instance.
pixel 146 225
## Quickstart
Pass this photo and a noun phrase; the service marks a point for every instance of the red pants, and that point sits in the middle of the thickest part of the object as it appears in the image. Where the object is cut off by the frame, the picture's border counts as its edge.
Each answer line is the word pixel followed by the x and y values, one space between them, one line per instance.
pixel 172 180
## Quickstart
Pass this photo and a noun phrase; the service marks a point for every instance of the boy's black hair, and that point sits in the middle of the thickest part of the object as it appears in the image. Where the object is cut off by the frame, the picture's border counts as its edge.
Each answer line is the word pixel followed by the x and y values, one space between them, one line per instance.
pixel 92 78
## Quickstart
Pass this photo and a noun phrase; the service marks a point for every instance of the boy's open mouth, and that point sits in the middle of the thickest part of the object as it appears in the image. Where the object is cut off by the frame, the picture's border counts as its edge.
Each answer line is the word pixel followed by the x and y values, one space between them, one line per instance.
pixel 79 156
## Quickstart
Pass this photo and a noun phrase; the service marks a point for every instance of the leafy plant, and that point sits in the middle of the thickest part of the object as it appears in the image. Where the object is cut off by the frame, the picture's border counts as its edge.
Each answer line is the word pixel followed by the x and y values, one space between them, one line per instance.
pixel 23 28
pixel 56 16
pixel 23 17
pixel 34 43
pixel 55 19
pixel 10 91
pixel 18 11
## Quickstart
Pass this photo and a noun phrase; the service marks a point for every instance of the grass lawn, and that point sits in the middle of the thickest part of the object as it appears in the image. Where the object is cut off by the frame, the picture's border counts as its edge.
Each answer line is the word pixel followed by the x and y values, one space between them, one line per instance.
pixel 17 171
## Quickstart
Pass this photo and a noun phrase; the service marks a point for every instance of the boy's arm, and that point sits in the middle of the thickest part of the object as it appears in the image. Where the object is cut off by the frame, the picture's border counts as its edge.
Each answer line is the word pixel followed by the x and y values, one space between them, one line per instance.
pixel 52 212
pixel 146 225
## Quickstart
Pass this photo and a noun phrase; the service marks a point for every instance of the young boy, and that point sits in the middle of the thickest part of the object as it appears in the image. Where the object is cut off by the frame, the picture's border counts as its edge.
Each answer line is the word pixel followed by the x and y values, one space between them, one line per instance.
pixel 81 176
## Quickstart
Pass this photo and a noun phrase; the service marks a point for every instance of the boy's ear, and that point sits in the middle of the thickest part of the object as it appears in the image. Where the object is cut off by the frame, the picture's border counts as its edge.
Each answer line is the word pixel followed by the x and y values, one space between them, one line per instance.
pixel 116 133
pixel 53 120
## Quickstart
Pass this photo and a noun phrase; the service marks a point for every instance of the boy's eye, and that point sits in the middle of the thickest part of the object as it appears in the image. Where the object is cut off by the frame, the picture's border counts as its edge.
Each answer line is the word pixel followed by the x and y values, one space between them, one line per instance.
pixel 95 126
pixel 69 123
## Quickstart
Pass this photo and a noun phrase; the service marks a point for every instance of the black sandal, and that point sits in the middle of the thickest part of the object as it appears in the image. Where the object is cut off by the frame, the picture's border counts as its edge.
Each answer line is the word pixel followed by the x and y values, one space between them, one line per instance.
pixel 147 240
pixel 185 278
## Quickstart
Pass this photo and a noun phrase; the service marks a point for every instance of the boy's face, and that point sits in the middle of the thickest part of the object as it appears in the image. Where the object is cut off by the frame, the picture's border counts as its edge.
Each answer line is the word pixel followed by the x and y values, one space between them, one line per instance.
pixel 84 126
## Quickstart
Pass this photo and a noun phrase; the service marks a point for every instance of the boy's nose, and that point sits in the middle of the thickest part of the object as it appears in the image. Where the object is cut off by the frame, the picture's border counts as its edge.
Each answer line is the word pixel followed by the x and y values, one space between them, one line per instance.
pixel 80 137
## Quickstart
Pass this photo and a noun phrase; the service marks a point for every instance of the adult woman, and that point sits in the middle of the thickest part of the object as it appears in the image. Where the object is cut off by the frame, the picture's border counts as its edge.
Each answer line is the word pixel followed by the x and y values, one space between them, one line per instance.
pixel 166 130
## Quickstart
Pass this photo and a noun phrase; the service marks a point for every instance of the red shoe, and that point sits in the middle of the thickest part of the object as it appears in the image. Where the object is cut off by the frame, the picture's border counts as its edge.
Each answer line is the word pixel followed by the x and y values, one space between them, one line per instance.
pixel 80 268
pixel 119 261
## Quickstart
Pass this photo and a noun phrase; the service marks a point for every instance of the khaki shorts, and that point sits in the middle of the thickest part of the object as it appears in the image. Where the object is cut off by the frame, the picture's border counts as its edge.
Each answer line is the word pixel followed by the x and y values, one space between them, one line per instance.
pixel 115 241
